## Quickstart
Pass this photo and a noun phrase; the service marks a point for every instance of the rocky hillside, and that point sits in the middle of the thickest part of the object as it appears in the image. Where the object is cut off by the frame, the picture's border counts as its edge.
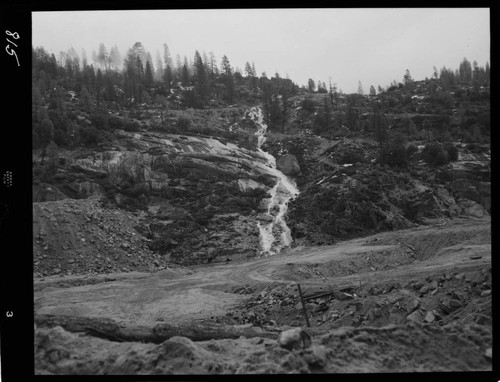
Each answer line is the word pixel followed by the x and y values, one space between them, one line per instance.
pixel 345 193
pixel 195 199
pixel 200 185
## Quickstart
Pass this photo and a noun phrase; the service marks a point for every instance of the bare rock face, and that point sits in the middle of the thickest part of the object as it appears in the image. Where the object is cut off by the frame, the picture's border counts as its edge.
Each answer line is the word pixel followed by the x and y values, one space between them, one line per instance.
pixel 288 164
pixel 47 193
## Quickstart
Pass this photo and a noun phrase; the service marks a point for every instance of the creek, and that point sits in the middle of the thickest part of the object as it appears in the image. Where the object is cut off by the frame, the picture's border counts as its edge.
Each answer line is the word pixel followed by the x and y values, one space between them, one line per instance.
pixel 275 234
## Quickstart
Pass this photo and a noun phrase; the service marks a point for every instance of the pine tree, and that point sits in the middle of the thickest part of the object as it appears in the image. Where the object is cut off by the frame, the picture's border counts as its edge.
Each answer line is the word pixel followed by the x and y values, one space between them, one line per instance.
pixel 200 76
pixel 103 57
pixel 185 75
pixel 115 57
pixel 86 99
pixel 226 66
pixel 168 77
pixel 332 91
pixel 159 67
pixel 146 99
pixel 360 88
pixel 248 69
pixel 227 76
pixel 163 104
pixel 373 92
pixel 212 64
pixel 407 80
pixel 36 102
pixel 99 85
pixel 152 66
pixel 45 135
pixel 311 85
pixel 52 154
pixel 148 75
pixel 178 68
pixel 465 71
pixel 84 59
pixel 476 74
pixel 167 59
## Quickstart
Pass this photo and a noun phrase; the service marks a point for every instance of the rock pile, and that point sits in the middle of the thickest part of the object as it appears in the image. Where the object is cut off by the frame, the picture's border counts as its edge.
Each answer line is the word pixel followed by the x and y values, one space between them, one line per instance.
pixel 442 298
pixel 74 237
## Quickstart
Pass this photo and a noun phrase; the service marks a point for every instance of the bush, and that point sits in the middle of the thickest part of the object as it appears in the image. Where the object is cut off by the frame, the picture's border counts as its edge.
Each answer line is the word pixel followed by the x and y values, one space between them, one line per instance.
pixel 352 156
pixel 131 125
pixel 394 154
pixel 183 123
pixel 452 152
pixel 115 122
pixel 411 151
pixel 191 99
pixel 61 138
pixel 162 245
pixel 308 105
pixel 434 155
pixel 90 135
pixel 99 121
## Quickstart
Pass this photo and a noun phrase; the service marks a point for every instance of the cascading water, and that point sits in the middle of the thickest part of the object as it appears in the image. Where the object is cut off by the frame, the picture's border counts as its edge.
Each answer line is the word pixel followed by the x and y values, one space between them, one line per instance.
pixel 274 232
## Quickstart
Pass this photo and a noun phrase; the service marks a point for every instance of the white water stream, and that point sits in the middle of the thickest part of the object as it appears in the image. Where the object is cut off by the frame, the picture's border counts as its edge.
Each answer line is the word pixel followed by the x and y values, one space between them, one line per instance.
pixel 274 232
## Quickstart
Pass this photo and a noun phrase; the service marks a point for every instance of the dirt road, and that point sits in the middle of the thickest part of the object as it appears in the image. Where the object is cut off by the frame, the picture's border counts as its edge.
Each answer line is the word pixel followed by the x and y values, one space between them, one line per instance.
pixel 178 295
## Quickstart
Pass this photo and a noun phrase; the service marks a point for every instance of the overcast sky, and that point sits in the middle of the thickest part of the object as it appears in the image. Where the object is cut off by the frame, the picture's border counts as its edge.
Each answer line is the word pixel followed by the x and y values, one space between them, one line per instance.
pixel 374 46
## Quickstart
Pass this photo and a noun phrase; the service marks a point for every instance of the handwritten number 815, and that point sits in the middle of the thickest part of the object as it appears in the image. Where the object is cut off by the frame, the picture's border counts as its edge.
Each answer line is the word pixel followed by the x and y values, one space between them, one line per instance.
pixel 8 49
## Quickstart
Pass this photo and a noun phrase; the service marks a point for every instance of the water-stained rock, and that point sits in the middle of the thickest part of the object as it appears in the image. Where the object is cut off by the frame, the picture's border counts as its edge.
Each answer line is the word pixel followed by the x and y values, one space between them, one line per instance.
pixel 288 164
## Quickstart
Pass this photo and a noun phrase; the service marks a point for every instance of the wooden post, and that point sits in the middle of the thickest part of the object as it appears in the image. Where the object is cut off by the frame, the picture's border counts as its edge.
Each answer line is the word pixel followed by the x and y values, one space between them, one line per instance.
pixel 303 306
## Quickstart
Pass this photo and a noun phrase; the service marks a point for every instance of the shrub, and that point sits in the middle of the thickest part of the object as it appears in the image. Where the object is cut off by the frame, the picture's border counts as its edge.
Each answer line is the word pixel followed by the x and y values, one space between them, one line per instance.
pixel 452 152
pixel 131 125
pixel 183 123
pixel 90 135
pixel 434 155
pixel 99 121
pixel 394 154
pixel 308 105
pixel 352 156
pixel 411 150
pixel 61 138
pixel 162 245
pixel 115 122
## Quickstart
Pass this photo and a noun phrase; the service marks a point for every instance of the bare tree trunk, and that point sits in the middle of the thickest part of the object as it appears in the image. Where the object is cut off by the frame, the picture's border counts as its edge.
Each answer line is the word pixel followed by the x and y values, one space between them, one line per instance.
pixel 120 332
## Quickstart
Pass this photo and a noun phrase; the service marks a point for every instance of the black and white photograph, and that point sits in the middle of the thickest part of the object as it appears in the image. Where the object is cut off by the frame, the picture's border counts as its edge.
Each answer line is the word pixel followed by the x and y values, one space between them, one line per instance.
pixel 260 191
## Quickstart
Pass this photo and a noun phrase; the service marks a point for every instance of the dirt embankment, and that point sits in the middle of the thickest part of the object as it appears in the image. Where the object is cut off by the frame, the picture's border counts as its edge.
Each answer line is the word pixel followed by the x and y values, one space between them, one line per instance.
pixel 76 237
pixel 409 348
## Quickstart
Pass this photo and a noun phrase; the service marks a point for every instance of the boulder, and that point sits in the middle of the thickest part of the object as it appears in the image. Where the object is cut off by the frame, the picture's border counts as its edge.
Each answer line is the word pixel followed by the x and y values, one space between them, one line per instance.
pixel 294 339
pixel 471 208
pixel 416 316
pixel 430 317
pixel 288 164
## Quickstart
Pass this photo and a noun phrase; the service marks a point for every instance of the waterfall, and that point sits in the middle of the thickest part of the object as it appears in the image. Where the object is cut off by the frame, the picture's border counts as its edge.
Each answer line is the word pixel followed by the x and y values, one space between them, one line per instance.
pixel 274 232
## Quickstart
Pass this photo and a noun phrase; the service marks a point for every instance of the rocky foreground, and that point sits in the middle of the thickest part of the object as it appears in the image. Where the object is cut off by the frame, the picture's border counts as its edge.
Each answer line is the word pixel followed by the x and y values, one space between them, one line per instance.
pixel 405 301
pixel 409 348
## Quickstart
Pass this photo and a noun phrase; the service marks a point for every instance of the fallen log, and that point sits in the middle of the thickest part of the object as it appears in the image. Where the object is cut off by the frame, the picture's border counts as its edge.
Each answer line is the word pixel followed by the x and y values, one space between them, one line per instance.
pixel 128 332
pixel 337 293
